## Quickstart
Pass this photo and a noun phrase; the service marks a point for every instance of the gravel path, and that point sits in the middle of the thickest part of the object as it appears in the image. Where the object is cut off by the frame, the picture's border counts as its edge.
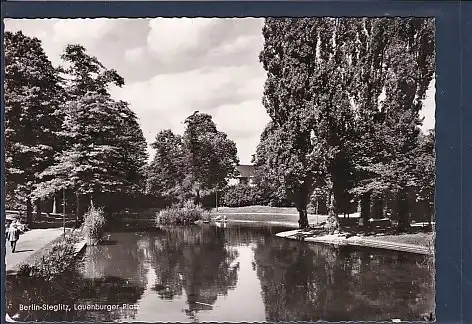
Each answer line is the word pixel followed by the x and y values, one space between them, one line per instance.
pixel 28 244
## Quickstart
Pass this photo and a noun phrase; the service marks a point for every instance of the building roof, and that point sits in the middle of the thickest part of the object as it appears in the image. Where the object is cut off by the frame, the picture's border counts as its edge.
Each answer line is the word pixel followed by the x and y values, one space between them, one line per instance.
pixel 245 170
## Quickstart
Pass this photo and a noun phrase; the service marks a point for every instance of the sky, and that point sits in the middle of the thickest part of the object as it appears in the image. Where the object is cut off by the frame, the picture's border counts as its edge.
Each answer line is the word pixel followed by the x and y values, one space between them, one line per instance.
pixel 174 66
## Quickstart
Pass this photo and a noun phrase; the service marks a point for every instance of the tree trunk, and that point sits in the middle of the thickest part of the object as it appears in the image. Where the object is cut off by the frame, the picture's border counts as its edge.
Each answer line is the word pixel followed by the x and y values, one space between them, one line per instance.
pixel 385 208
pixel 77 209
pixel 302 202
pixel 29 212
pixel 197 198
pixel 54 204
pixel 303 217
pixel 365 208
pixel 403 217
pixel 332 222
pixel 378 208
pixel 37 203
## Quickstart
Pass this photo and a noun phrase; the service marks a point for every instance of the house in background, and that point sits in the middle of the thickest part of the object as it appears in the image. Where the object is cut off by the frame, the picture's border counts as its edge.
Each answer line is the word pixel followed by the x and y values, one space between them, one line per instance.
pixel 246 175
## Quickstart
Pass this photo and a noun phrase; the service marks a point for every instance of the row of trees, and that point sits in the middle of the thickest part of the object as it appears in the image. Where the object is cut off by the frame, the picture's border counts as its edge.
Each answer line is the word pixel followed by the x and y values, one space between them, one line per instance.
pixel 68 139
pixel 64 134
pixel 344 96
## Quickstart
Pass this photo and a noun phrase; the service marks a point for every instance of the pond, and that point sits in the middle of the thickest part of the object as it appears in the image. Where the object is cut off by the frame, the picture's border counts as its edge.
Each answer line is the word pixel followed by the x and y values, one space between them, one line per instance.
pixel 236 273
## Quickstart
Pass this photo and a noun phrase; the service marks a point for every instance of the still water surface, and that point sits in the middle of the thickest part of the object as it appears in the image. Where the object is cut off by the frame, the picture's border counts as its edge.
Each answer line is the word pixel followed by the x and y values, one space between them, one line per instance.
pixel 238 273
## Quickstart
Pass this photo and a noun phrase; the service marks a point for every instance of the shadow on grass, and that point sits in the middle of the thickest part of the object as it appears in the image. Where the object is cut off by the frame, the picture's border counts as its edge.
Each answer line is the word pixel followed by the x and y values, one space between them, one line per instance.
pixel 371 230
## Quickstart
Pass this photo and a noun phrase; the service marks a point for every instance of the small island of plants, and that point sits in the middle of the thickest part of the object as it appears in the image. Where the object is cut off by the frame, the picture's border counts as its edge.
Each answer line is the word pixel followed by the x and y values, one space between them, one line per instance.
pixel 182 214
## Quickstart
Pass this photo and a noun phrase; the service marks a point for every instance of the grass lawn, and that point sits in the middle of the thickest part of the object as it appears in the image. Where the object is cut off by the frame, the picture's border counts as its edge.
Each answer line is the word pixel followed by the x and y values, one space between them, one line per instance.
pixel 255 209
pixel 289 216
pixel 279 218
pixel 422 239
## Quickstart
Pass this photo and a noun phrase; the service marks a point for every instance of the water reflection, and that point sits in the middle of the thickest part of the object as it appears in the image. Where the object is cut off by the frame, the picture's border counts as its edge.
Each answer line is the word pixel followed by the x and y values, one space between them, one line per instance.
pixel 197 261
pixel 72 291
pixel 313 282
pixel 238 273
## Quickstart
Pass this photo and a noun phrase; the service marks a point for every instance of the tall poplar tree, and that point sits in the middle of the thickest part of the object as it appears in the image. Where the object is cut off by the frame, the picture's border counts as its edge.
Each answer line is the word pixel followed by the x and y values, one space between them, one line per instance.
pixel 325 78
pixel 392 75
pixel 306 73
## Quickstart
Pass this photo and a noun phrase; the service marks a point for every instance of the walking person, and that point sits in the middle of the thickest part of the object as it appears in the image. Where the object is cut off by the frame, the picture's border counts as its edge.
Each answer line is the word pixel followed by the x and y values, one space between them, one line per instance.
pixel 7 227
pixel 13 235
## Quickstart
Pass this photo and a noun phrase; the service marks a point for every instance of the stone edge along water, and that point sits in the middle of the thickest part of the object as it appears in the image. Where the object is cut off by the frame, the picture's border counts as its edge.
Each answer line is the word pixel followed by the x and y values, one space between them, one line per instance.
pixel 341 240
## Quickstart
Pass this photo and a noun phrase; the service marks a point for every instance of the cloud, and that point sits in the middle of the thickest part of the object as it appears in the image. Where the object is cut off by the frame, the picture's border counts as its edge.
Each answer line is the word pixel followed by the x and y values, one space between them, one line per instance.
pixel 170 38
pixel 82 31
pixel 229 94
pixel 238 46
pixel 183 44
pixel 134 55
pixel 244 122
pixel 246 117
pixel 200 89
pixel 55 34
pixel 31 27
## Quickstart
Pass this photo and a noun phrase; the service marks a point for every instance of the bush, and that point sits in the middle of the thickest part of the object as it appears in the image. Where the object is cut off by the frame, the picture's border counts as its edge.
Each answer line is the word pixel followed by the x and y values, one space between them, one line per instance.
pixel 53 264
pixel 187 213
pixel 240 196
pixel 94 224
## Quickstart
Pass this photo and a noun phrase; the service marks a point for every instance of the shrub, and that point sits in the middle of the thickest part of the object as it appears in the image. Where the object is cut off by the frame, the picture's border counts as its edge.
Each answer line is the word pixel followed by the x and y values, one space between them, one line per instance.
pixel 94 224
pixel 244 195
pixel 187 213
pixel 239 196
pixel 53 263
pixel 206 215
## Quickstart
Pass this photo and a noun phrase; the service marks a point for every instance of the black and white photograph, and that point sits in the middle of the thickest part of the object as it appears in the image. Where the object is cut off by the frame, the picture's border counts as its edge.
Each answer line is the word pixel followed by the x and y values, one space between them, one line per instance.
pixel 220 169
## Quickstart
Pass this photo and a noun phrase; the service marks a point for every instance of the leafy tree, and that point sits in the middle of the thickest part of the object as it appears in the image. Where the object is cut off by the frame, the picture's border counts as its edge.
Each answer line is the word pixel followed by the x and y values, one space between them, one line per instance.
pixel 424 172
pixel 133 147
pixel 397 60
pixel 210 157
pixel 284 99
pixel 201 160
pixel 325 77
pixel 106 150
pixel 333 127
pixel 86 73
pixel 167 169
pixel 304 97
pixel 266 179
pixel 32 115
